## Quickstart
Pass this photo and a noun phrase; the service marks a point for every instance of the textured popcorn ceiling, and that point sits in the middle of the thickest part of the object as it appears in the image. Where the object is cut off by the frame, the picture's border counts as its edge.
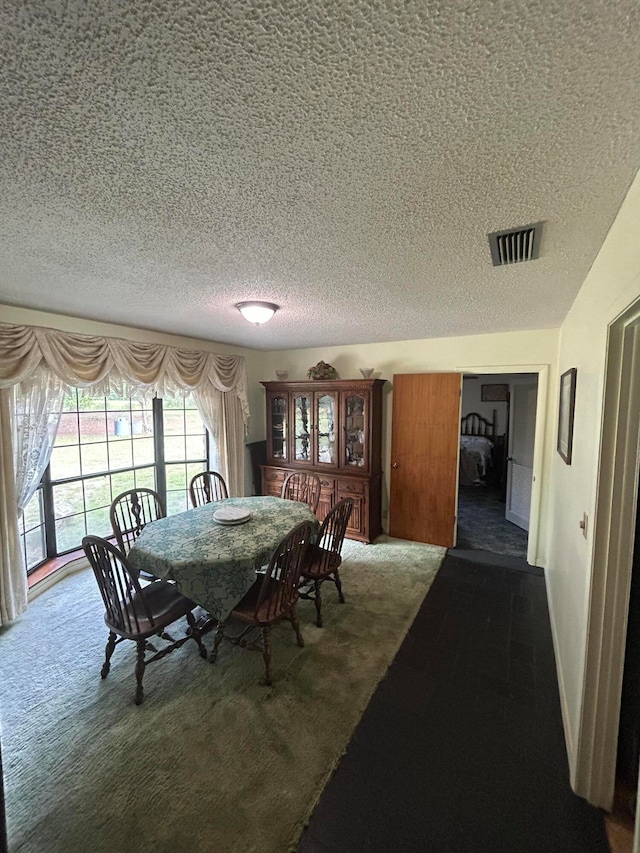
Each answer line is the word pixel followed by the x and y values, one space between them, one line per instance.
pixel 161 161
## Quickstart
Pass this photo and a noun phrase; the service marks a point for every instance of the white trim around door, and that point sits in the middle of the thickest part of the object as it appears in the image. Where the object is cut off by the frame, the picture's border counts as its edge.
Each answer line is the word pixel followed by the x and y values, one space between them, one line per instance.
pixel 534 555
pixel 614 529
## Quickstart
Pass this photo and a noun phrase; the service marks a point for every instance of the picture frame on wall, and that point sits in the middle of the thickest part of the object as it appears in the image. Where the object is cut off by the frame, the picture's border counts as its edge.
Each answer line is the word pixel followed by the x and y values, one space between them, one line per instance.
pixel 566 407
pixel 496 393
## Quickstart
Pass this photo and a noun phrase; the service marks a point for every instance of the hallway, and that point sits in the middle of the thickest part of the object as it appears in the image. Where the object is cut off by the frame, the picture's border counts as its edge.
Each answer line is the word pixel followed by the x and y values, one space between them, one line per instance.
pixel 461 749
pixel 482 524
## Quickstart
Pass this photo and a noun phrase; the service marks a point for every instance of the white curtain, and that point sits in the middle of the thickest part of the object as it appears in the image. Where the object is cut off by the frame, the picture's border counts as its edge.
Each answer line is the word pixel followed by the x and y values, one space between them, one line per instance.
pixel 47 362
pixel 209 405
pixel 109 364
pixel 38 405
pixel 13 578
pixel 222 415
pixel 234 432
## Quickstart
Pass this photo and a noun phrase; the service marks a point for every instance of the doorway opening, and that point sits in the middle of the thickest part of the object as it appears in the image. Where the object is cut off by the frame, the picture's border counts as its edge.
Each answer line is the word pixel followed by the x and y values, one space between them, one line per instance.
pixel 496 462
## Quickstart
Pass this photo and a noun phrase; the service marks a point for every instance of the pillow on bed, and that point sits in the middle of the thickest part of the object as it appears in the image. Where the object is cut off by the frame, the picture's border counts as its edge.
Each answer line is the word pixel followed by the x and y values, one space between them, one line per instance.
pixel 476 442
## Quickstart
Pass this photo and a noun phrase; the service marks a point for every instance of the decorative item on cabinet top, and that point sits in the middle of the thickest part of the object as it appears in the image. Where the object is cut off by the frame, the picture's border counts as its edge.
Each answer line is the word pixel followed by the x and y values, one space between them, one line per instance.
pixel 367 372
pixel 322 370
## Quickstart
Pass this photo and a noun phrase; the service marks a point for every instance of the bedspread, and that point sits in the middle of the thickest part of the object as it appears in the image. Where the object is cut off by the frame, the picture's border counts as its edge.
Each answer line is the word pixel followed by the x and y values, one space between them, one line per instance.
pixel 479 448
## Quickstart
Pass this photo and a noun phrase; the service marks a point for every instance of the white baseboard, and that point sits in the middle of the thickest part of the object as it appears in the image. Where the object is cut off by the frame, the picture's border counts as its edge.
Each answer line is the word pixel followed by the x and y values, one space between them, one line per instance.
pixel 52 579
pixel 518 520
pixel 568 734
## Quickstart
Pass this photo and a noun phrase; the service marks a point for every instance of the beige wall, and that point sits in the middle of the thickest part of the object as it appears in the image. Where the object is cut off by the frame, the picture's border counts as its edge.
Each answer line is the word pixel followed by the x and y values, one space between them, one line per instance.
pixel 497 353
pixel 612 285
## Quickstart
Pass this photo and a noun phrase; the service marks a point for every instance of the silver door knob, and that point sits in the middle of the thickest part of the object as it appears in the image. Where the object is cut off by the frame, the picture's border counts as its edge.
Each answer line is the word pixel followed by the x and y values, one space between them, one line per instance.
pixel 395 465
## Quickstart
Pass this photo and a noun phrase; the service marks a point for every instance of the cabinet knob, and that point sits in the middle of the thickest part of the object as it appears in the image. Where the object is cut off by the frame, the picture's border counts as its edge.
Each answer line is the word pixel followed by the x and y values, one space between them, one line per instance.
pixel 395 465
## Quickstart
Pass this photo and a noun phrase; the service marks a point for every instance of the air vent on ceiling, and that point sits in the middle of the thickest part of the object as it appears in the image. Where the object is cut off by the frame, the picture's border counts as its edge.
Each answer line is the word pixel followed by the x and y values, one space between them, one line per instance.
pixel 516 245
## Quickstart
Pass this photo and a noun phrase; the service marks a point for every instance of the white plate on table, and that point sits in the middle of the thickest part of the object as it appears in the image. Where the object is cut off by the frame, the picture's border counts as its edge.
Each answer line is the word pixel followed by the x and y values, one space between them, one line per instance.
pixel 231 515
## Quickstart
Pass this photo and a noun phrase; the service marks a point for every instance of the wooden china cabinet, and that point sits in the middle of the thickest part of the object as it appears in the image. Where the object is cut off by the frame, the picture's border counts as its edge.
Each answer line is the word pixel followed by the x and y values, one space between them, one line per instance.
pixel 332 427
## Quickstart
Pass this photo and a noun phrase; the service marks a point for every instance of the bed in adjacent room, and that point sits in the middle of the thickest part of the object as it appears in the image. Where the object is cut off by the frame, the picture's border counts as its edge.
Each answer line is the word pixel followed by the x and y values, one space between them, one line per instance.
pixel 477 438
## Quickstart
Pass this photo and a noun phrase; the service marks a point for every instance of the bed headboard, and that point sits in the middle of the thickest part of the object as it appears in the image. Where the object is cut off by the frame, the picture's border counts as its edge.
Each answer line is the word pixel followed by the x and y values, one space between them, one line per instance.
pixel 475 424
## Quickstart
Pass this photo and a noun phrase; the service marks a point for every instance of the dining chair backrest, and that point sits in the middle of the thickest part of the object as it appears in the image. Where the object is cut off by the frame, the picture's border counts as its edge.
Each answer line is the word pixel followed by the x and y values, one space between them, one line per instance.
pixel 328 544
pixel 123 596
pixel 131 511
pixel 206 487
pixel 302 486
pixel 279 588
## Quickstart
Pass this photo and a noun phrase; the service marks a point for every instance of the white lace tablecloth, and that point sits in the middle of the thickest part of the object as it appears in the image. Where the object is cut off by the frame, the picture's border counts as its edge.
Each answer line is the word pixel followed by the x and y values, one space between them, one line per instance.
pixel 214 564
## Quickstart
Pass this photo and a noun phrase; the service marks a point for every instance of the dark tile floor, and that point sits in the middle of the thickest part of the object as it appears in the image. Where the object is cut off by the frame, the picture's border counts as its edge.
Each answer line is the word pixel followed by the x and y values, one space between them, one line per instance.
pixel 461 749
pixel 482 523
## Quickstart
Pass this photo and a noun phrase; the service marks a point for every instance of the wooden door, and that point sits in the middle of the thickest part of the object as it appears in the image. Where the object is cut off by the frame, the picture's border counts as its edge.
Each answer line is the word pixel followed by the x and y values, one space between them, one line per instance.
pixel 425 442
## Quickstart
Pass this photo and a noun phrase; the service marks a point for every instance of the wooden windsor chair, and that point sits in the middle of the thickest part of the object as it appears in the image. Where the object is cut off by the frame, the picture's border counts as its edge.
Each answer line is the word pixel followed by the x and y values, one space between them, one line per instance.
pixel 303 486
pixel 206 487
pixel 272 597
pixel 136 612
pixel 129 513
pixel 324 558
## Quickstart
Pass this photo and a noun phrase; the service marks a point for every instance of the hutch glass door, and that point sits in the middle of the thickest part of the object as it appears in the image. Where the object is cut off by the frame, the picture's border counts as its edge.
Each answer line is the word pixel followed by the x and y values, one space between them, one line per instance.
pixel 326 450
pixel 355 431
pixel 302 411
pixel 279 427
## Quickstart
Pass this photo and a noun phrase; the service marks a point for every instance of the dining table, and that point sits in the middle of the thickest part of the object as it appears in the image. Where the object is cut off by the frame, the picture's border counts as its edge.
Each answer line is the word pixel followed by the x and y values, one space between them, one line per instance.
pixel 211 563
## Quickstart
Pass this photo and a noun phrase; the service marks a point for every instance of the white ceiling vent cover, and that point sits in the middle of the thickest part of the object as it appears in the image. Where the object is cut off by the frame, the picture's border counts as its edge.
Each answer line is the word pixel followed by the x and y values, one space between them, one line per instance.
pixel 516 245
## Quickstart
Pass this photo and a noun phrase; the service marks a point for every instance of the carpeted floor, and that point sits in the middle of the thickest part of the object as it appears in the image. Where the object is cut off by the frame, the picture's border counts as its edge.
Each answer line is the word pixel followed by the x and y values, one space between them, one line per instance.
pixel 483 526
pixel 210 760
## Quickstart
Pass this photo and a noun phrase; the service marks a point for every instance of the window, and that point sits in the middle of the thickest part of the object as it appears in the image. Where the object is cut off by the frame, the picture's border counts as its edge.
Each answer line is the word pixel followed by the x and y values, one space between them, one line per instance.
pixel 105 446
pixel 32 537
pixel 185 450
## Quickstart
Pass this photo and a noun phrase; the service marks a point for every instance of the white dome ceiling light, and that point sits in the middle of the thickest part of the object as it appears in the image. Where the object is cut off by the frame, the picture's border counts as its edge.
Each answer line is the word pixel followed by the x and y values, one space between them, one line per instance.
pixel 257 312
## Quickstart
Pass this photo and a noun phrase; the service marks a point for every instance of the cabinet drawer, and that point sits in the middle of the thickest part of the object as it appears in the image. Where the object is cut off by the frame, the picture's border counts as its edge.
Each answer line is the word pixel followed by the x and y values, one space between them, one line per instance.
pixel 272 475
pixel 273 490
pixel 352 486
pixel 327 483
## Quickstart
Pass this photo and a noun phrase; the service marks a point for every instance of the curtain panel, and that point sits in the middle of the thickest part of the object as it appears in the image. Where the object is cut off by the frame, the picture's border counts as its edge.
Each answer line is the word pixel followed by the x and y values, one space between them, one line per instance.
pixel 13 578
pixel 45 362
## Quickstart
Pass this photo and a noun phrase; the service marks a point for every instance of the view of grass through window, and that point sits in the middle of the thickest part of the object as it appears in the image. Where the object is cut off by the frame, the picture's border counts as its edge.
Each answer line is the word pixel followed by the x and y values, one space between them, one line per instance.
pixel 105 446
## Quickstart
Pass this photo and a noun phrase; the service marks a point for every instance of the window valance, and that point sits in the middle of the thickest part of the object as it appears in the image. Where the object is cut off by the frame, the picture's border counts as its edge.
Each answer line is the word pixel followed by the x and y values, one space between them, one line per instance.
pixel 104 364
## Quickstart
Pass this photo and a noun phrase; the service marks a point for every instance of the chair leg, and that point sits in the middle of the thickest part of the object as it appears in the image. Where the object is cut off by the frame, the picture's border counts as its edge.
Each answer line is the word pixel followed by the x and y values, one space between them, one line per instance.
pixel 266 654
pixel 111 644
pixel 195 634
pixel 293 618
pixel 338 583
pixel 318 601
pixel 140 667
pixel 213 654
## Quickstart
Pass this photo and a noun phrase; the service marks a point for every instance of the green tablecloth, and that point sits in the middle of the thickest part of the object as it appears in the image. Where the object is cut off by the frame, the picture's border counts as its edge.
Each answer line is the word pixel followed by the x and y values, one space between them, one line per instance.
pixel 213 564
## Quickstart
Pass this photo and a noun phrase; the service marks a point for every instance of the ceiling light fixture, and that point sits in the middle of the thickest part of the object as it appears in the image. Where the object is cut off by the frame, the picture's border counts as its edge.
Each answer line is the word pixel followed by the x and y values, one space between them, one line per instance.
pixel 257 312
